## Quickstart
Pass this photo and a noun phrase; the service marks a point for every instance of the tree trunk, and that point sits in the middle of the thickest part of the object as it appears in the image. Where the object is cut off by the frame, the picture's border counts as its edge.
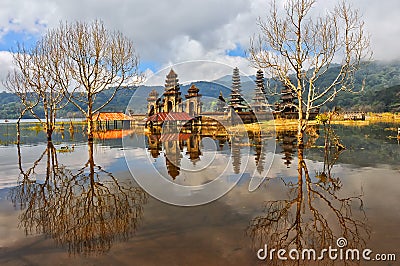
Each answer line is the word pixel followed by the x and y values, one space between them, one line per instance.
pixel 48 162
pixel 90 119
pixel 18 132
pixel 300 123
pixel 49 132
pixel 90 128
pixel 91 165
pixel 18 126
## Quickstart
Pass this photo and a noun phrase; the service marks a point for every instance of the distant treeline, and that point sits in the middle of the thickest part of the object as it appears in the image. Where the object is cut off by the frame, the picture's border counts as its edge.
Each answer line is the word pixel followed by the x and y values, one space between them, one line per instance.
pixel 381 82
pixel 10 105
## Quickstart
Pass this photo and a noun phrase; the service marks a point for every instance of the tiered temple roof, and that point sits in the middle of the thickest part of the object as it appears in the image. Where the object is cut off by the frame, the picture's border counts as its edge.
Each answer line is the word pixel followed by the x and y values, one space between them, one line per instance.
pixel 286 104
pixel 259 101
pixel 172 85
pixel 237 102
pixel 153 96
pixel 172 81
pixel 287 95
pixel 193 92
pixel 236 80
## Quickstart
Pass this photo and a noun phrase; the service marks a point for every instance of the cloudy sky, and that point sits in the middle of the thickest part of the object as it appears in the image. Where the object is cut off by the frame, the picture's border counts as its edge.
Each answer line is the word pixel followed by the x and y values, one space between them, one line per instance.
pixel 175 31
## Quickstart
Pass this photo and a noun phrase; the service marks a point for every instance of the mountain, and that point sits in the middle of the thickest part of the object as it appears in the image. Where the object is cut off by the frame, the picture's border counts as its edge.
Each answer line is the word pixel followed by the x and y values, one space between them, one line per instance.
pixel 227 79
pixel 381 93
pixel 381 89
pixel 371 100
pixel 9 105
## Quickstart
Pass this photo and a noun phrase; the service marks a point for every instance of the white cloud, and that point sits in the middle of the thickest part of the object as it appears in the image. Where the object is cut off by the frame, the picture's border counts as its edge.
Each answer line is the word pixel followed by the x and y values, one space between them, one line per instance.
pixel 6 65
pixel 169 32
pixel 185 48
pixel 382 23
pixel 197 70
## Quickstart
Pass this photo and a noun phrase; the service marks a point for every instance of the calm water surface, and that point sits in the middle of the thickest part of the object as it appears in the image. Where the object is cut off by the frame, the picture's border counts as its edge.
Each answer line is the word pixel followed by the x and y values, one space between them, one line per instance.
pixel 77 204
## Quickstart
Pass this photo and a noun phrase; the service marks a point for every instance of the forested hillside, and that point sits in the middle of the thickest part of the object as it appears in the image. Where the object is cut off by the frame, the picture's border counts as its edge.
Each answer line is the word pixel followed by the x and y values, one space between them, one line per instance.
pixel 381 93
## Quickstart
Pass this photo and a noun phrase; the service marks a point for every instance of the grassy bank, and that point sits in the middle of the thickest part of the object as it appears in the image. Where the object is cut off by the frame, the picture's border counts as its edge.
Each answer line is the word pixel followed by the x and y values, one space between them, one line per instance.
pixel 291 124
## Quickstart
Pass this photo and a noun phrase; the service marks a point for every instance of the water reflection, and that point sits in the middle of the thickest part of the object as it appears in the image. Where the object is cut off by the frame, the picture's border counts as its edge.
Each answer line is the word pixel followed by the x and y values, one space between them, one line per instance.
pixel 84 209
pixel 287 141
pixel 314 212
pixel 259 149
pixel 196 148
pixel 213 233
pixel 173 146
pixel 236 158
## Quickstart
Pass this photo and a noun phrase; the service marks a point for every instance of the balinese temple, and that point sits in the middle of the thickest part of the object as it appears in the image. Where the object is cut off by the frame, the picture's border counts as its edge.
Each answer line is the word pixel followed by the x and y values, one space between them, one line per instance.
pixel 285 108
pixel 151 103
pixel 172 95
pixel 169 106
pixel 193 103
pixel 237 102
pixel 260 103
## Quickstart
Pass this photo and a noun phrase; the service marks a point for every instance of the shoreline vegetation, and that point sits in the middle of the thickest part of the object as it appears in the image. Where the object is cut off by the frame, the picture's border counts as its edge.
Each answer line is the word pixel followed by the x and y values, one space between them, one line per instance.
pixel 276 124
pixel 292 124
pixel 339 120
pixel 336 119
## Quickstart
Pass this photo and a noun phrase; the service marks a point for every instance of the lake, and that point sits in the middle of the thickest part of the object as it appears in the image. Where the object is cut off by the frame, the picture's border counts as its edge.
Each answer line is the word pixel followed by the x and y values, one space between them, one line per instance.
pixel 77 203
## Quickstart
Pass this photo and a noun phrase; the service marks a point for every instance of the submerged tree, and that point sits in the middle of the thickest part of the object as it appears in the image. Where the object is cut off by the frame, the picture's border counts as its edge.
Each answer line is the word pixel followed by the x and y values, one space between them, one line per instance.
pixel 36 81
pixel 76 61
pixel 98 61
pixel 298 49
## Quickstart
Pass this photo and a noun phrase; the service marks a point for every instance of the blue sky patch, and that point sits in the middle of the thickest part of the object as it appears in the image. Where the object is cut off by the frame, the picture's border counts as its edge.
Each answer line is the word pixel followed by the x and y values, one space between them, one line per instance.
pixel 147 64
pixel 238 51
pixel 8 42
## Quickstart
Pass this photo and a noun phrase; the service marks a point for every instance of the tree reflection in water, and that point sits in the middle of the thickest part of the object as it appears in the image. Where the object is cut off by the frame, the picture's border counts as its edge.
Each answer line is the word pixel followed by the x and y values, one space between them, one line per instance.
pixel 313 215
pixel 85 210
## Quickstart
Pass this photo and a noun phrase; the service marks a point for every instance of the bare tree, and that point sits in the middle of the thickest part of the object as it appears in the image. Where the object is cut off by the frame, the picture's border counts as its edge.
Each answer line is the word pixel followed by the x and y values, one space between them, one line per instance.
pixel 314 213
pixel 16 84
pixel 35 80
pixel 98 61
pixel 298 49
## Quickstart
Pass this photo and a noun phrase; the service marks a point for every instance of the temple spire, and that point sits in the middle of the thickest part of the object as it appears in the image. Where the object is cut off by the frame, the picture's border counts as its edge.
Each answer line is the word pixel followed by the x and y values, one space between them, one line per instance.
pixel 171 81
pixel 172 93
pixel 259 101
pixel 236 80
pixel 237 102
